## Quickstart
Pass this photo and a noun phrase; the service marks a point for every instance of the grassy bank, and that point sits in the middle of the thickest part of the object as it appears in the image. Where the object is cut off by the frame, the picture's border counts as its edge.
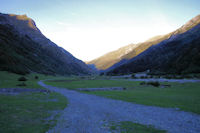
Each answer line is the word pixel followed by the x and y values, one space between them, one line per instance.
pixel 185 96
pixel 28 112
pixel 9 80
pixel 130 127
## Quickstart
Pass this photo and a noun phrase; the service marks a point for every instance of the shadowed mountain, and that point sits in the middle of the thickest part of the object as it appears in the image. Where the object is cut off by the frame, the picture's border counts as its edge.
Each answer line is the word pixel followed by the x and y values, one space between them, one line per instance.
pixel 116 58
pixel 179 54
pixel 25 49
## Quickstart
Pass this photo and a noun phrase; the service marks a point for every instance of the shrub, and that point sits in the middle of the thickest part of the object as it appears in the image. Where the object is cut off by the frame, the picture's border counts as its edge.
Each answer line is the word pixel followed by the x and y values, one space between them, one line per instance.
pixel 188 76
pixel 156 83
pixel 168 77
pixel 197 76
pixel 101 74
pixel 181 77
pixel 22 79
pixel 143 83
pixel 22 84
pixel 133 76
pixel 36 77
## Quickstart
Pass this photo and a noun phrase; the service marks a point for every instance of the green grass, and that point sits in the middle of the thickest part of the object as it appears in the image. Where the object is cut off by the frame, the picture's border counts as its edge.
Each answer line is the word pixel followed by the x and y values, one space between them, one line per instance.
pixel 28 112
pixel 10 80
pixel 129 127
pixel 78 83
pixel 184 96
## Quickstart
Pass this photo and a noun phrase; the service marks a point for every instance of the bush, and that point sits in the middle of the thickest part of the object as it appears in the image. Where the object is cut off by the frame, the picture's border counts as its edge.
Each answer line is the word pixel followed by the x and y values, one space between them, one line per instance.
pixel 22 84
pixel 142 77
pixel 156 83
pixel 188 76
pixel 133 76
pixel 22 79
pixel 168 77
pixel 101 74
pixel 143 83
pixel 197 76
pixel 36 77
pixel 181 77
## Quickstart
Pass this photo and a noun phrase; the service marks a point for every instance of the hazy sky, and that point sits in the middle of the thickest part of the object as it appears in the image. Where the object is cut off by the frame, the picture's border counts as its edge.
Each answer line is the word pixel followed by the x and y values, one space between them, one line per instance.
pixel 91 28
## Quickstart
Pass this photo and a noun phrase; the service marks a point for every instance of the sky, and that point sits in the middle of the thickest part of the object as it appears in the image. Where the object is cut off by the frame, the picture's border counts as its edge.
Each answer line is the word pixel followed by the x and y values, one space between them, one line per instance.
pixel 90 28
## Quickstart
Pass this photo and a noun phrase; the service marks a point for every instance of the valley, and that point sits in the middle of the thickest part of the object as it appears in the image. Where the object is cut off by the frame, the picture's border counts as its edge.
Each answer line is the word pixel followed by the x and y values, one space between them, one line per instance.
pixel 66 108
pixel 148 86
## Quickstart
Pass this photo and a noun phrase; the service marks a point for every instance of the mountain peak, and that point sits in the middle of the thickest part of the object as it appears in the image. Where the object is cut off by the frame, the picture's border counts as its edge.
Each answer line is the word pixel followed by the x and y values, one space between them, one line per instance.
pixel 25 26
pixel 20 17
pixel 21 22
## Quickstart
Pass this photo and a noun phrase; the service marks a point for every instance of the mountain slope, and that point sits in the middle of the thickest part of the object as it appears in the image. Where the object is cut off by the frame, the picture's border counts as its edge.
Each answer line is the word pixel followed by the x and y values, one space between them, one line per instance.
pixel 115 58
pixel 111 58
pixel 25 49
pixel 179 54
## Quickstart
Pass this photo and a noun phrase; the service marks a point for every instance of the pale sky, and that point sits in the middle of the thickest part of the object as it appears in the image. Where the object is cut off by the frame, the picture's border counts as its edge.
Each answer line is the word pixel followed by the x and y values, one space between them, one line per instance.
pixel 91 28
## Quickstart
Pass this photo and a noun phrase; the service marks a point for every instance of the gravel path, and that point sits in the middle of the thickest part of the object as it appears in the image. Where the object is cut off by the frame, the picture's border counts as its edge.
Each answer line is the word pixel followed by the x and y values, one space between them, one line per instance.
pixel 89 114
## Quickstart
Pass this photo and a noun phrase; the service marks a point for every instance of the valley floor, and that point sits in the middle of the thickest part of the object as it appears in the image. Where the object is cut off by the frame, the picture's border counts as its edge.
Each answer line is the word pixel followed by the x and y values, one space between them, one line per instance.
pixel 90 113
pixel 26 107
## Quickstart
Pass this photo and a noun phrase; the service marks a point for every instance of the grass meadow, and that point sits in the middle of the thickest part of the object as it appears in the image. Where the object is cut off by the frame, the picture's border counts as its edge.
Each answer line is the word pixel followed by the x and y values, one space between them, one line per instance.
pixel 28 112
pixel 183 96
